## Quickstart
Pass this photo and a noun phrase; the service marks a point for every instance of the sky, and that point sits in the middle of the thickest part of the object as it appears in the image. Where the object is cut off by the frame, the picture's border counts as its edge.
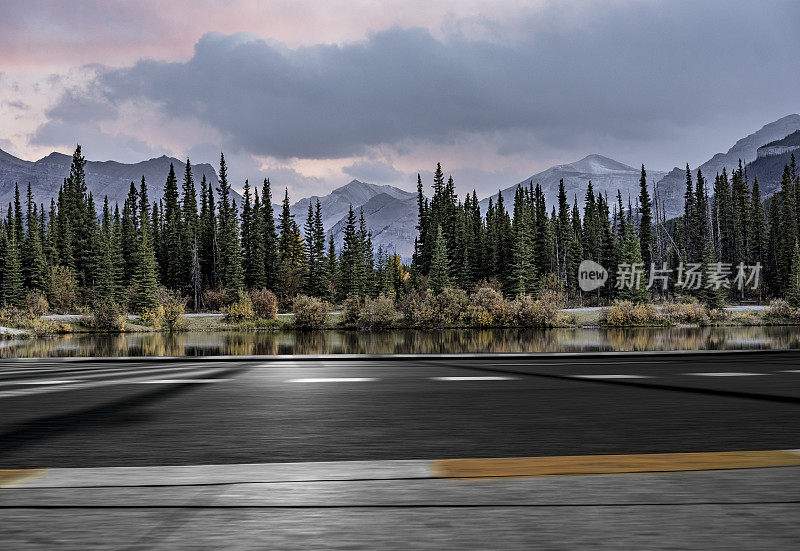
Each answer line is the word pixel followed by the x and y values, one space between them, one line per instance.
pixel 315 93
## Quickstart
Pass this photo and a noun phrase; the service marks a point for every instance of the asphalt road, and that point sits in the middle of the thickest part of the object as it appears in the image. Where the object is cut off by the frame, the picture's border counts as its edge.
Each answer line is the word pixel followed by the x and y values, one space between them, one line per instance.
pixel 201 440
pixel 80 414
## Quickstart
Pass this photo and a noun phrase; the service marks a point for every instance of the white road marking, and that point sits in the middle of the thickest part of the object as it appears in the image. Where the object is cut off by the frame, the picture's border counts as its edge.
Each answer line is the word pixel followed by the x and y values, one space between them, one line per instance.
pixel 488 378
pixel 178 381
pixel 50 382
pixel 43 389
pixel 333 380
pixel 586 363
pixel 613 376
pixel 791 371
pixel 725 374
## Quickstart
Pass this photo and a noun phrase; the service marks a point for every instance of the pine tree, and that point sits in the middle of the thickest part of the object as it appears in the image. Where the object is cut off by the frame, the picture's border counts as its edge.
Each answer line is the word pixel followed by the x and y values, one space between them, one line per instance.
pixel 645 222
pixel 170 243
pixel 247 237
pixel 270 238
pixel 255 273
pixel 145 276
pixel 13 284
pixel 440 266
pixel 231 274
pixel 292 254
pixel 793 284
pixel 352 260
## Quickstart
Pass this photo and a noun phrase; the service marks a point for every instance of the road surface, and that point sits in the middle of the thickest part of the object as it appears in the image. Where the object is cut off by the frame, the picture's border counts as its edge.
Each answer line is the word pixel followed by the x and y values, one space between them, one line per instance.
pixel 356 453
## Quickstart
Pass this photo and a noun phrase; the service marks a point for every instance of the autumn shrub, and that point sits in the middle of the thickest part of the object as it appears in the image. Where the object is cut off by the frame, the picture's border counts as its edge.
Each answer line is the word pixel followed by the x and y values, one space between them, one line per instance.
pixel 11 316
pixel 427 309
pixel 174 307
pixel 351 309
pixel 46 327
pixel 378 314
pixel 530 312
pixel 214 299
pixel 625 313
pixel 265 303
pixel 487 307
pixel 309 312
pixel 779 309
pixel 36 304
pixel 106 315
pixel 685 312
pixel 152 317
pixel 63 290
pixel 240 310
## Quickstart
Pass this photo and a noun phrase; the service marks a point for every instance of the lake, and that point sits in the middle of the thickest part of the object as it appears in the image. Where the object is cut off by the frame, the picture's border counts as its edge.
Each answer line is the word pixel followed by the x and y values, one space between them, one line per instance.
pixel 405 341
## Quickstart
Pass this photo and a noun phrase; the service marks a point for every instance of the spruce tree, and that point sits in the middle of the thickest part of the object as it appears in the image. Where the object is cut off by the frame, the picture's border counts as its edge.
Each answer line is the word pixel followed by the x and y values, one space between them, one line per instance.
pixel 793 283
pixel 645 222
pixel 270 238
pixel 352 260
pixel 440 266
pixel 230 250
pixel 145 276
pixel 13 284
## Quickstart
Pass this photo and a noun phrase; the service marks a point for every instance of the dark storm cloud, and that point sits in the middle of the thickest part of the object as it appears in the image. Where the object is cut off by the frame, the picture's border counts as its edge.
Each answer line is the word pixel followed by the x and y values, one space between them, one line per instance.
pixel 373 171
pixel 628 72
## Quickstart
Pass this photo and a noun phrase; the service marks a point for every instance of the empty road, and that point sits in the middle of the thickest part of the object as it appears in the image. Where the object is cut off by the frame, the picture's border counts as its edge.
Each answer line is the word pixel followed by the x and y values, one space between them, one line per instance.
pixel 226 423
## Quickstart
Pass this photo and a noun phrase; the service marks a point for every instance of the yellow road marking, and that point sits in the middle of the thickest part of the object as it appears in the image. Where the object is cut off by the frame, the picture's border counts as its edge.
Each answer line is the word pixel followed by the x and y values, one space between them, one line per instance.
pixel 12 477
pixel 607 464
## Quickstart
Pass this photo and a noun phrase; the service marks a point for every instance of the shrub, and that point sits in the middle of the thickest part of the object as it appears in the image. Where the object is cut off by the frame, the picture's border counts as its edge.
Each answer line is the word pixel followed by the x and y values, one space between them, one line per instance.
pixel 685 312
pixel 265 304
pixel 63 289
pixel 214 299
pixel 240 310
pixel 378 314
pixel 106 315
pixel 779 308
pixel 36 303
pixel 485 304
pixel 351 309
pixel 174 307
pixel 625 313
pixel 152 317
pixel 426 309
pixel 11 316
pixel 534 313
pixel 309 312
pixel 45 327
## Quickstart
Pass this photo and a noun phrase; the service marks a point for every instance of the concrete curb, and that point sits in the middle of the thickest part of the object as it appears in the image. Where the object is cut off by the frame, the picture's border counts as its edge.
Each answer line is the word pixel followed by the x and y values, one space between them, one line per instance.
pixel 506 467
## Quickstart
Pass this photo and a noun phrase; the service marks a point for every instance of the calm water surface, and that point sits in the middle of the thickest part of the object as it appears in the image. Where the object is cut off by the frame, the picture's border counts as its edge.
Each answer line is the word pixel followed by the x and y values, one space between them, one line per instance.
pixel 405 342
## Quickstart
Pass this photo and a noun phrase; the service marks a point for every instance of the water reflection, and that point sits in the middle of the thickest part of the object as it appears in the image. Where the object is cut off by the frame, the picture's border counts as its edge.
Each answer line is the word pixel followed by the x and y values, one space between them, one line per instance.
pixel 406 342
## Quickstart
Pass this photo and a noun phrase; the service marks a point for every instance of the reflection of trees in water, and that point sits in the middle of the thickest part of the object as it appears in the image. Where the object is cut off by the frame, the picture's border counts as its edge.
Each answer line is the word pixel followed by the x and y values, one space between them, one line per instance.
pixel 406 341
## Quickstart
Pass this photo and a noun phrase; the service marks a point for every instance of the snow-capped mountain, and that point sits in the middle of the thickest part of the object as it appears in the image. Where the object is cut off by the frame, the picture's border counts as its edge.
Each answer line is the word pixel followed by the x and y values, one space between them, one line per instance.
pixel 672 186
pixel 606 175
pixel 103 178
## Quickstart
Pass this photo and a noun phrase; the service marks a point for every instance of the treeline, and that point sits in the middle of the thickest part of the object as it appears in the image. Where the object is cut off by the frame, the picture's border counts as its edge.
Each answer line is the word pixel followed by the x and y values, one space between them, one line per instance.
pixel 194 243
pixel 201 245
pixel 723 235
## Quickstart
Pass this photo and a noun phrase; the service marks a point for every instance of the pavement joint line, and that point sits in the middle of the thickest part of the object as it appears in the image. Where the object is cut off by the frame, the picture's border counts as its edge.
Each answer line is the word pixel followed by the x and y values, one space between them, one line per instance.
pixel 333 380
pixel 348 471
pixel 613 376
pixel 725 374
pixel 178 381
pixel 487 378
pixel 50 382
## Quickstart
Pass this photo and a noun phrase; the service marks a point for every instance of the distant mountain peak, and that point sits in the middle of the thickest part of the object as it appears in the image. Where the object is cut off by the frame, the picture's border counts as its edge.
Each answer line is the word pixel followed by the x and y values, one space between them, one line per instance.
pixel 600 164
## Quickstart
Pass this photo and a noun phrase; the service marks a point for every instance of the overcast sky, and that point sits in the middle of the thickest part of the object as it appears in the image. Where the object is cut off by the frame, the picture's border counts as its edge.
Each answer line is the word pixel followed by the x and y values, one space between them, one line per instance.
pixel 316 93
